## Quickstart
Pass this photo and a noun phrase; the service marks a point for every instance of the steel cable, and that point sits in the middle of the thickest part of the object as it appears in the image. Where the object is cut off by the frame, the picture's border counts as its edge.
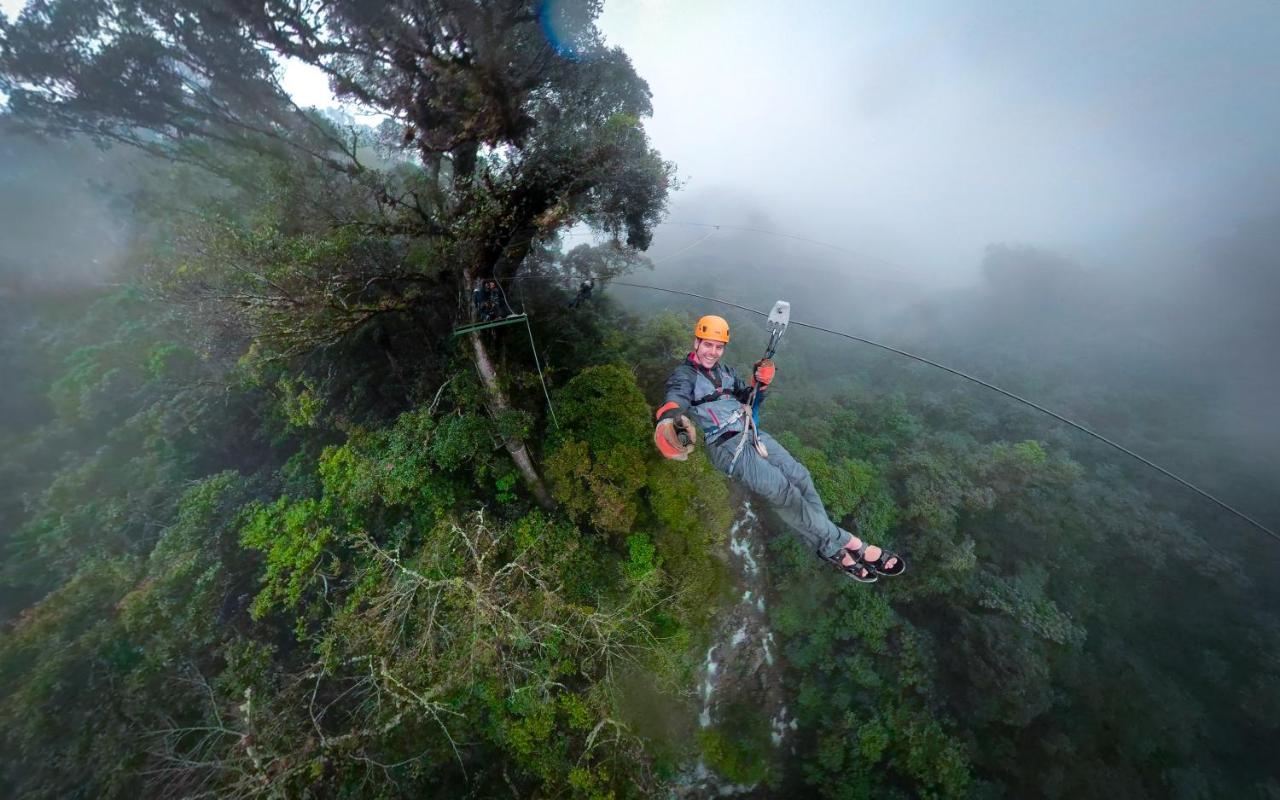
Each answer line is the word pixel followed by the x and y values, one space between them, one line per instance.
pixel 983 383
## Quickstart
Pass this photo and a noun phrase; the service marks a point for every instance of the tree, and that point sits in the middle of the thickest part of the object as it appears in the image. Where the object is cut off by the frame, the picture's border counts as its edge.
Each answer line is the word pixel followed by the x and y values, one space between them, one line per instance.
pixel 522 121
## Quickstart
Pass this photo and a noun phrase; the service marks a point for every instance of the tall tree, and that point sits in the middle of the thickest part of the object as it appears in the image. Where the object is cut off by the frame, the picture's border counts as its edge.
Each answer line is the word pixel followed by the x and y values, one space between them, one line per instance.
pixel 519 119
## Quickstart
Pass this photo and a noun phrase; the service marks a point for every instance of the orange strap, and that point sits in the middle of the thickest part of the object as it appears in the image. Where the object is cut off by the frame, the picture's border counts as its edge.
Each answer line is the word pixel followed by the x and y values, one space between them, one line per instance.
pixel 665 408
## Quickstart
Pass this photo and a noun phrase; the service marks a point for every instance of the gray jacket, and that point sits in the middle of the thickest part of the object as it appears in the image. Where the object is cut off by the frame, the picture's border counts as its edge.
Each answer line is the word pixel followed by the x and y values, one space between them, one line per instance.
pixel 713 398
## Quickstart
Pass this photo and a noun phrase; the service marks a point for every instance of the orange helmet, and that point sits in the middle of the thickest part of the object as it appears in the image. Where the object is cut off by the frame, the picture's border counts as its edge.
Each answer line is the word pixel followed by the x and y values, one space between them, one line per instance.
pixel 712 327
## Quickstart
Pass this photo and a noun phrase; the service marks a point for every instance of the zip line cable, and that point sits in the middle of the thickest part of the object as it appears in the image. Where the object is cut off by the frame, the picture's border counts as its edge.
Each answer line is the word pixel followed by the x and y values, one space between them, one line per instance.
pixel 534 348
pixel 717 227
pixel 684 250
pixel 768 232
pixel 980 382
pixel 921 359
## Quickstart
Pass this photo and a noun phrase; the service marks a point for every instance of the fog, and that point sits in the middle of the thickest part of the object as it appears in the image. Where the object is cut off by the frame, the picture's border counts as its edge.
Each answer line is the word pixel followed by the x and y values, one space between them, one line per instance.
pixel 1085 195
pixel 1181 368
pixel 1122 135
pixel 287 500
pixel 921 133
pixel 1065 199
pixel 63 222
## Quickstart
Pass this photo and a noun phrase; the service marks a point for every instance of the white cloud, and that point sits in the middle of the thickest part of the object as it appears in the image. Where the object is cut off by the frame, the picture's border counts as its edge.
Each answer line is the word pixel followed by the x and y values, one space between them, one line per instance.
pixel 925 131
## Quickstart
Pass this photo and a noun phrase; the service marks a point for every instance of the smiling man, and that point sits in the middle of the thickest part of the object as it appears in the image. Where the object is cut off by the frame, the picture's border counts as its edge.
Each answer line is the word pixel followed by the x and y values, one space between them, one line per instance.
pixel 705 395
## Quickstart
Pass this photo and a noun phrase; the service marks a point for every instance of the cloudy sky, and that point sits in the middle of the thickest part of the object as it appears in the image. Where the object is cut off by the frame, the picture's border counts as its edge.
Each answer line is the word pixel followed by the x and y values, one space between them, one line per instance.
pixel 923 131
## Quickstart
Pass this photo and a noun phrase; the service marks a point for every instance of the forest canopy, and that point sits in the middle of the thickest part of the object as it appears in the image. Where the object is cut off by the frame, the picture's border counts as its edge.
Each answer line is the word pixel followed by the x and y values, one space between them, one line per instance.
pixel 270 529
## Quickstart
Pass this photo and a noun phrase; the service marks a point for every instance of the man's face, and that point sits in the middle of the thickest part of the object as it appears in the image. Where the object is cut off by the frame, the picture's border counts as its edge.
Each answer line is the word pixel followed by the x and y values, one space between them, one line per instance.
pixel 707 352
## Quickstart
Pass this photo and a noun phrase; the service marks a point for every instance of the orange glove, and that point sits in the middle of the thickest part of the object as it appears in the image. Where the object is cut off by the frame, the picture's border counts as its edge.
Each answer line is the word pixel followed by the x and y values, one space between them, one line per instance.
pixel 667 438
pixel 764 370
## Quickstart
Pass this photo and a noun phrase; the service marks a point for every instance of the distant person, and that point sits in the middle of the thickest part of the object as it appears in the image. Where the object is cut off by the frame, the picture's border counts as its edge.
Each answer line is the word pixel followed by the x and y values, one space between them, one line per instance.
pixel 714 397
pixel 488 300
pixel 584 293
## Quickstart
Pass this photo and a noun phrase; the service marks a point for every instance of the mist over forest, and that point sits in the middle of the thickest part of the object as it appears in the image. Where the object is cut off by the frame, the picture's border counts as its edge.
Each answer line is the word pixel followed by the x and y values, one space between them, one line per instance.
pixel 1181 352
pixel 288 511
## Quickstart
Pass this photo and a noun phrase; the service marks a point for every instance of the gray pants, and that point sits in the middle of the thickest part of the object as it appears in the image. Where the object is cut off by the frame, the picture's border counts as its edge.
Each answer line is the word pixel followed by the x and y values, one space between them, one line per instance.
pixel 787 486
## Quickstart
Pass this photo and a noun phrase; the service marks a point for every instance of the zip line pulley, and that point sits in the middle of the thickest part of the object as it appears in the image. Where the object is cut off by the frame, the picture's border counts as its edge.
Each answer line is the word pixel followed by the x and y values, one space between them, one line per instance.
pixel 777 325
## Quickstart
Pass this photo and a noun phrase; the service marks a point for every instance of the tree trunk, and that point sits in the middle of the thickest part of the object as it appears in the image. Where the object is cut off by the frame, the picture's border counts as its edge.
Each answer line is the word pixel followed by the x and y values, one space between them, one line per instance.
pixel 515 447
pixel 519 453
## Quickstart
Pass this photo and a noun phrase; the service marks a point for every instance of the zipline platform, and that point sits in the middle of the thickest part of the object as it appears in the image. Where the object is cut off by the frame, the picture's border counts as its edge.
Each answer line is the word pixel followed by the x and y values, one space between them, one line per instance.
pixel 495 323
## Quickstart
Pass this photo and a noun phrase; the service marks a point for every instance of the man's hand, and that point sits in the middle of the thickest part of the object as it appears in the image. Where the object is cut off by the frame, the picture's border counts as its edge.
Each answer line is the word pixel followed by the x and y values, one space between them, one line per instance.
pixel 764 370
pixel 667 436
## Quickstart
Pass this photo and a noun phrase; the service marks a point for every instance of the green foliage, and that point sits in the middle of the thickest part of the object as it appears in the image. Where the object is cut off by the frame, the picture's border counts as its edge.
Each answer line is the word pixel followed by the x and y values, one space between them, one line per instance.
pixel 459 439
pixel 690 501
pixel 994 666
pixel 280 421
pixel 603 407
pixel 598 463
pixel 61 657
pixel 127 436
pixel 291 422
pixel 505 486
pixel 642 559
pixel 293 537
pixel 1015 552
pixel 738 756
pixel 124 352
pixel 171 360
pixel 1023 598
pixel 849 487
pixel 472 636
pixel 177 606
pixel 395 480
pixel 409 465
pixel 299 402
pixel 667 515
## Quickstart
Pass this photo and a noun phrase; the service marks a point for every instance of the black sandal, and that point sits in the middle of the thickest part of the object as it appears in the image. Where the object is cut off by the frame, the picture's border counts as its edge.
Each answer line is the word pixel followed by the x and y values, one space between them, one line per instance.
pixel 858 571
pixel 860 555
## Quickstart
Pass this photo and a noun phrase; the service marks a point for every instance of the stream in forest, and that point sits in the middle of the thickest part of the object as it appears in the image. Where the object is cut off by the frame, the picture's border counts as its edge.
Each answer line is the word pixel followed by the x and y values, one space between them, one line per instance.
pixel 740 688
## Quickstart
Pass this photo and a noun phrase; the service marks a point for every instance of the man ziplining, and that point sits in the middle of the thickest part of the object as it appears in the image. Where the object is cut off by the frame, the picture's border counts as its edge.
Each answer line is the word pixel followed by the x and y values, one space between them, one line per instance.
pixel 584 293
pixel 704 393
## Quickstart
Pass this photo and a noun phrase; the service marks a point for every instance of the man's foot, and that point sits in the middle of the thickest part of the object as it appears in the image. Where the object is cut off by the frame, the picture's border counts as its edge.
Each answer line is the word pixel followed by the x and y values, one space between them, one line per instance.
pixel 852 568
pixel 876 558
